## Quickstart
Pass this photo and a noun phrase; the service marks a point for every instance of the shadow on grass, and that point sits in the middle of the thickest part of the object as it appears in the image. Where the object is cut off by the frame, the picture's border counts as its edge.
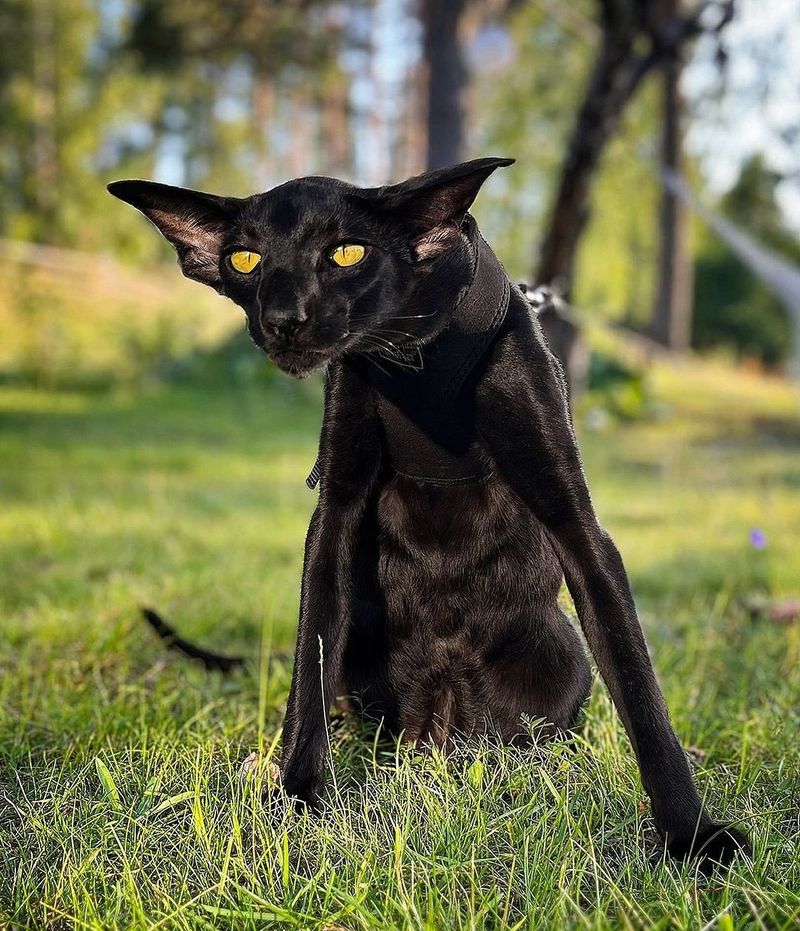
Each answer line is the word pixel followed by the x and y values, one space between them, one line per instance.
pixel 172 416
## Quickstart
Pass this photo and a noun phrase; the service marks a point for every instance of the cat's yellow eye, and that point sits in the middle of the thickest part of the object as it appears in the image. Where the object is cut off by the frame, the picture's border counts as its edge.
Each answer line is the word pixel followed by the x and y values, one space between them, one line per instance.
pixel 245 261
pixel 348 254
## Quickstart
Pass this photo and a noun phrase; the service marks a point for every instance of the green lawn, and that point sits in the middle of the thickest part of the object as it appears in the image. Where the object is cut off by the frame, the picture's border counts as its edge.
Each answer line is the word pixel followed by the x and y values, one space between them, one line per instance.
pixel 121 798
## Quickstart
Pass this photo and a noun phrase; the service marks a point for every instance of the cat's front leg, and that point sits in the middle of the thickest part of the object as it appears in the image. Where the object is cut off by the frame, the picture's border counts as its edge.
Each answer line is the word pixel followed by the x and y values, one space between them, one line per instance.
pixel 524 419
pixel 350 459
pixel 325 617
pixel 304 731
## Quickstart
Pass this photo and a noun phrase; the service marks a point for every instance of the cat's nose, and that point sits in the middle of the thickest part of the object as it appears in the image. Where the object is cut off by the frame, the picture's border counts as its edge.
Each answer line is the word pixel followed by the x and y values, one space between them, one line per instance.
pixel 283 323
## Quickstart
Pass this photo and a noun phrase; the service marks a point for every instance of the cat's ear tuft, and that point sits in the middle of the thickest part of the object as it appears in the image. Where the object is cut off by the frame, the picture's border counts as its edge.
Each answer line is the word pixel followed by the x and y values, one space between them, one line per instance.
pixel 434 204
pixel 195 223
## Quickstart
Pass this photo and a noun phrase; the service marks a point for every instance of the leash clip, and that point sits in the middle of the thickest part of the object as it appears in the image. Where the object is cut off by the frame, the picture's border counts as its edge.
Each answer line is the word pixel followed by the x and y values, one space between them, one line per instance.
pixel 539 298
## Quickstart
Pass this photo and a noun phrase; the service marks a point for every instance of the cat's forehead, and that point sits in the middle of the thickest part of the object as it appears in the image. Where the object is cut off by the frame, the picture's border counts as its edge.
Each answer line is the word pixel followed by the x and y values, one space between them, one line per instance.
pixel 306 205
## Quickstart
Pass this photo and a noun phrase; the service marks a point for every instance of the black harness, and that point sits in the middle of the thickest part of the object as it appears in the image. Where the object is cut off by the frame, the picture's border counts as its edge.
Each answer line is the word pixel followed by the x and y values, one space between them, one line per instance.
pixel 426 401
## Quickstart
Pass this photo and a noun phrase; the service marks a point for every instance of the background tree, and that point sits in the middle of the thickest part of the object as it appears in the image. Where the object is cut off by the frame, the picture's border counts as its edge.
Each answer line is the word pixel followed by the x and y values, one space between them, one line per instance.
pixel 240 96
pixel 734 310
pixel 635 38
pixel 445 76
pixel 672 307
pixel 56 88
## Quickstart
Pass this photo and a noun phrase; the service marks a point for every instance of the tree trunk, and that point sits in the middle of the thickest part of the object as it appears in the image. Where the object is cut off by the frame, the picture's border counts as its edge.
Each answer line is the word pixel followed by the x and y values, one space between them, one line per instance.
pixel 672 310
pixel 411 156
pixel 446 76
pixel 615 76
pixel 262 107
pixel 335 124
pixel 45 114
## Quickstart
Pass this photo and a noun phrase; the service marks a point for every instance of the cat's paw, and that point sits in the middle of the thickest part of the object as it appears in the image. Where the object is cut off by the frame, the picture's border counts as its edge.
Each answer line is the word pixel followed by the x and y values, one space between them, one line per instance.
pixel 713 845
pixel 303 788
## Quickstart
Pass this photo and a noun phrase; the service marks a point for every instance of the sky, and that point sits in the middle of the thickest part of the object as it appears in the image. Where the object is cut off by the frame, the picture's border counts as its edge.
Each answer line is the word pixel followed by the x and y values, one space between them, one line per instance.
pixel 755 106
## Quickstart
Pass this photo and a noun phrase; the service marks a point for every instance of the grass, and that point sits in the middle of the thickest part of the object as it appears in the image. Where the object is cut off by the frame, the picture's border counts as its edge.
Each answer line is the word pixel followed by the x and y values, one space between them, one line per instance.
pixel 122 802
pixel 72 317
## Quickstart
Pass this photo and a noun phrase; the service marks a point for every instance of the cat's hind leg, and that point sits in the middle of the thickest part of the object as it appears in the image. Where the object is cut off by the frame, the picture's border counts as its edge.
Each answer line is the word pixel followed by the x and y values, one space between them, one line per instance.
pixel 540 675
pixel 365 687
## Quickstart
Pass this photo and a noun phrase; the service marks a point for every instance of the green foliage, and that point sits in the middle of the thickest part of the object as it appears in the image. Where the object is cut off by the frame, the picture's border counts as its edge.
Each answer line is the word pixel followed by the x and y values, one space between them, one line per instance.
pixel 92 91
pixel 68 103
pixel 736 311
pixel 272 35
pixel 615 274
pixel 75 319
pixel 621 389
pixel 733 309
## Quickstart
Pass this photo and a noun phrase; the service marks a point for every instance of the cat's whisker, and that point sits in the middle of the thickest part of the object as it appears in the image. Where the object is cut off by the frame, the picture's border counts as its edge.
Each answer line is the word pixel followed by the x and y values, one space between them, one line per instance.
pixel 399 355
pixel 433 313
pixel 413 346
pixel 421 361
pixel 410 366
pixel 411 338
pixel 382 332
pixel 383 339
pixel 388 345
pixel 405 363
pixel 368 314
pixel 378 347
pixel 372 340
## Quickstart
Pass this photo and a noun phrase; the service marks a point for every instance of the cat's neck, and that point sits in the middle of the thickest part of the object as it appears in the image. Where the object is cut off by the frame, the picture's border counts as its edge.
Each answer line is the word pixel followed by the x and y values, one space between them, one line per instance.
pixel 426 417
pixel 459 318
pixel 441 294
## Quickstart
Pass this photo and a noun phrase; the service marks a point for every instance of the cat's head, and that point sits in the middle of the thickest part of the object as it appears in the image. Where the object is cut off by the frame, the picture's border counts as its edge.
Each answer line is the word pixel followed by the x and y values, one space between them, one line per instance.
pixel 322 267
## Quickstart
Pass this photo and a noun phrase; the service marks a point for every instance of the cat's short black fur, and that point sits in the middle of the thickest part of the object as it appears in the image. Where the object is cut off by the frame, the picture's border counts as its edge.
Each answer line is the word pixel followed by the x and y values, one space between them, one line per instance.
pixel 450 506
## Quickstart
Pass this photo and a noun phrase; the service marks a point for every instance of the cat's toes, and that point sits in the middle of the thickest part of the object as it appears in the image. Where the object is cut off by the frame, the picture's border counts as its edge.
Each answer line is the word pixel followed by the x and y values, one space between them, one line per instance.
pixel 714 845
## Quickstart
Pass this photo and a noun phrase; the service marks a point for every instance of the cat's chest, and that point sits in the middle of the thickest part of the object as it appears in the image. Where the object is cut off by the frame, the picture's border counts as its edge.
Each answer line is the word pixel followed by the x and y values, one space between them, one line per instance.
pixel 460 539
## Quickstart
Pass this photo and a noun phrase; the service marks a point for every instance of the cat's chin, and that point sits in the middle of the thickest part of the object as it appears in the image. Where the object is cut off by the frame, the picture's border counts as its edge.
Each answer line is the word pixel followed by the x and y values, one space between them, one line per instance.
pixel 299 363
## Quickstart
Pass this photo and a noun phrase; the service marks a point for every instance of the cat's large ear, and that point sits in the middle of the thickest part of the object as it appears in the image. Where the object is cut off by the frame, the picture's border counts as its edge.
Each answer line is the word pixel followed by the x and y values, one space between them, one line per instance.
pixel 434 204
pixel 195 223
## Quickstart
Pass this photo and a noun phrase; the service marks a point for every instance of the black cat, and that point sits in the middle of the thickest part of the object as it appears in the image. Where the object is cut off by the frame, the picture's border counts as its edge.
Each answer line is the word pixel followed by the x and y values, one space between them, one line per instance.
pixel 452 497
